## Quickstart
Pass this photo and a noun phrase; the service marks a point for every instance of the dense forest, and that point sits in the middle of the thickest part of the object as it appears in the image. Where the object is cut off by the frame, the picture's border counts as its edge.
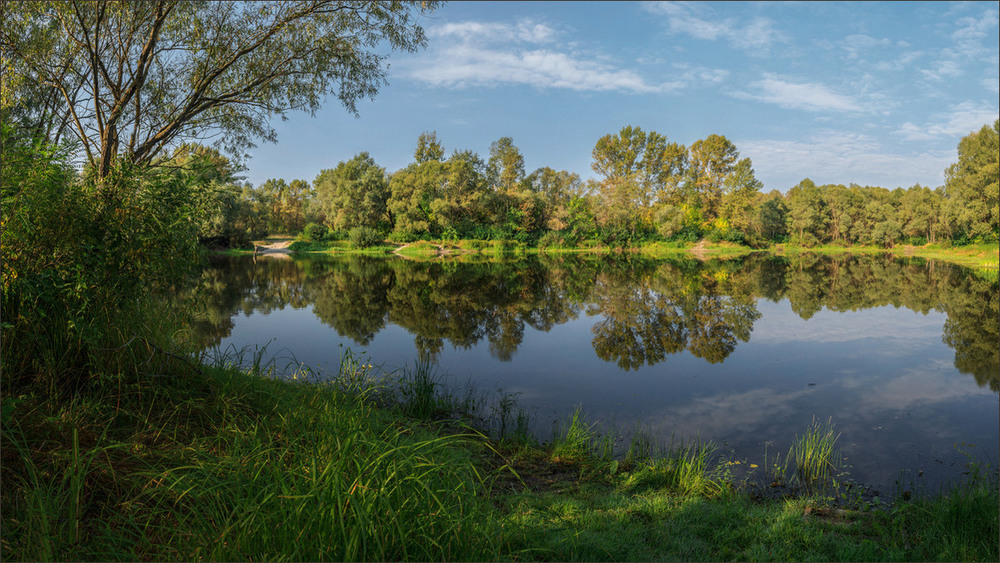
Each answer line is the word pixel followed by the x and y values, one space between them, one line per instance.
pixel 646 189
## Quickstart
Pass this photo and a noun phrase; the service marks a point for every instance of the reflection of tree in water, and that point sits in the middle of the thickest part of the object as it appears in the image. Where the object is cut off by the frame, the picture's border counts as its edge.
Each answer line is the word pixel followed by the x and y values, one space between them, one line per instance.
pixel 650 316
pixel 973 330
pixel 352 296
pixel 466 302
pixel 650 309
pixel 241 284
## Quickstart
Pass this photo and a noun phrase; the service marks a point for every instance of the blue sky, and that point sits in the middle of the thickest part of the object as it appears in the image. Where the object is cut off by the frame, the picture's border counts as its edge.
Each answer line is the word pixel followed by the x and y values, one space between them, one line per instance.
pixel 866 93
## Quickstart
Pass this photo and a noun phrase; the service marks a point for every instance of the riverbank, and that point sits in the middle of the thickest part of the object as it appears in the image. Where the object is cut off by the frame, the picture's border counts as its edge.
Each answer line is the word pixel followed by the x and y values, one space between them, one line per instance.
pixel 213 463
pixel 984 257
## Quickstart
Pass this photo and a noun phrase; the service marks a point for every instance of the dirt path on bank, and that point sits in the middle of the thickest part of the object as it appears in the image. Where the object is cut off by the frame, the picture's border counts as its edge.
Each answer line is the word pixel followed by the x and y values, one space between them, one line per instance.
pixel 273 246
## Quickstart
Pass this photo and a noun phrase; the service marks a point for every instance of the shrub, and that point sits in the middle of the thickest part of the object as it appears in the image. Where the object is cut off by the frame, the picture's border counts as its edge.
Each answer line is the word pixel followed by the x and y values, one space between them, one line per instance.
pixel 80 258
pixel 314 232
pixel 552 239
pixel 364 237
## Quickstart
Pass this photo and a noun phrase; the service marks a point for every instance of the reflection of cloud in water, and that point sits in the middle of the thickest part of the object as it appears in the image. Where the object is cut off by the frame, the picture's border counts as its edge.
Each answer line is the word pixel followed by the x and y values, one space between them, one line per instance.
pixel 721 414
pixel 767 412
pixel 933 382
pixel 780 325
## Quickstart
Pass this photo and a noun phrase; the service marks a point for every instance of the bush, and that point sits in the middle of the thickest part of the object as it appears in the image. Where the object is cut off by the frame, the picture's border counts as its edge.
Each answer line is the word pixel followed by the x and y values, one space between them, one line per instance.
pixel 81 257
pixel 314 232
pixel 551 239
pixel 364 237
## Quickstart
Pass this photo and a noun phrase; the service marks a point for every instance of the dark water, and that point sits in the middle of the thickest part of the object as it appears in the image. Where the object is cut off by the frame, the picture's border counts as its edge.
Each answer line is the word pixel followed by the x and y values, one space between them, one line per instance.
pixel 901 354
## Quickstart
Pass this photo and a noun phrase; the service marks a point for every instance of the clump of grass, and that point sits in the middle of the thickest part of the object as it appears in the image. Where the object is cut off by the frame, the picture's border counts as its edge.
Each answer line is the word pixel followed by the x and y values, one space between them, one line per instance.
pixel 419 389
pixel 572 442
pixel 815 455
pixel 513 421
pixel 687 470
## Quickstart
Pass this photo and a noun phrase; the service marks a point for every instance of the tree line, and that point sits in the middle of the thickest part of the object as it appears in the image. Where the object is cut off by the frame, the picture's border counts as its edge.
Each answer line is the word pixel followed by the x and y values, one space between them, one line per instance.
pixel 645 189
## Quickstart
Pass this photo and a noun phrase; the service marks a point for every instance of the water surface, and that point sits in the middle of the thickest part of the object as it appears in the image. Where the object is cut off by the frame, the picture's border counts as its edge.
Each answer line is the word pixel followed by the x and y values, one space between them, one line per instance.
pixel 901 354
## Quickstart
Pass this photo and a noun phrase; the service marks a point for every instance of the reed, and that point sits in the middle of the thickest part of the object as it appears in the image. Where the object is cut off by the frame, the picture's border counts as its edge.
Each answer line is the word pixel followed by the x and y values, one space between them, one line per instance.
pixel 815 455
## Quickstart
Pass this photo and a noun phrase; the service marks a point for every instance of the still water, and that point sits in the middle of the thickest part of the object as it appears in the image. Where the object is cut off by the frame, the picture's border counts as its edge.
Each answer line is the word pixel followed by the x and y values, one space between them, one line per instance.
pixel 901 354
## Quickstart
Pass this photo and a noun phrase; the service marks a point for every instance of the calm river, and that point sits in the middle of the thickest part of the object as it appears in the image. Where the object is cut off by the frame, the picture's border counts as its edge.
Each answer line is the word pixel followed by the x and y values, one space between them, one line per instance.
pixel 901 354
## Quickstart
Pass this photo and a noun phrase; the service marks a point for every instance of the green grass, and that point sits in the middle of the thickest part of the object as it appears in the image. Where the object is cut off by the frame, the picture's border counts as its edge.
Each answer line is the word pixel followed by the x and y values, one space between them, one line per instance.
pixel 977 256
pixel 339 246
pixel 815 455
pixel 224 465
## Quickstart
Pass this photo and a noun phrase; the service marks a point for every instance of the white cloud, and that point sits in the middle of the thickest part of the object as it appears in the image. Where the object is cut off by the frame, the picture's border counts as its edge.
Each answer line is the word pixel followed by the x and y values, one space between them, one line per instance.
pixel 524 31
pixel 465 54
pixel 809 96
pixel 944 69
pixel 465 65
pixel 836 157
pixel 958 122
pixel 971 32
pixel 700 21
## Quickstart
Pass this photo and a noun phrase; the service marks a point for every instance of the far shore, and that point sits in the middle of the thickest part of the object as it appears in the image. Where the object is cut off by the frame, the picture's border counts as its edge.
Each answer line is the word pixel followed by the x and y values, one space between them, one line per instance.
pixel 980 256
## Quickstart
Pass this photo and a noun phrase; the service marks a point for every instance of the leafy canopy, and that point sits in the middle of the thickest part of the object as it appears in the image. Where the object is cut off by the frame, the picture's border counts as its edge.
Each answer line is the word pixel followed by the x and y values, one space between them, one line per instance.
pixel 129 79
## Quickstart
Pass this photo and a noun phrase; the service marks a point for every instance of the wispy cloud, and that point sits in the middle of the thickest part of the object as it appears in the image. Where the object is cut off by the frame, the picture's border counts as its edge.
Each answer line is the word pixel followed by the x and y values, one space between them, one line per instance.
pixel 809 96
pixel 526 31
pixel 467 65
pixel 836 157
pixel 466 54
pixel 972 45
pixel 755 36
pixel 858 46
pixel 972 32
pixel 958 122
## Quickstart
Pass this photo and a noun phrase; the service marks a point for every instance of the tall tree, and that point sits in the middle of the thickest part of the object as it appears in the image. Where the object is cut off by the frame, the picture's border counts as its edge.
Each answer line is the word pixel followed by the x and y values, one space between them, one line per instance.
pixel 354 194
pixel 637 168
pixel 556 190
pixel 428 148
pixel 807 213
pixel 132 78
pixel 972 184
pixel 741 190
pixel 711 161
pixel 505 168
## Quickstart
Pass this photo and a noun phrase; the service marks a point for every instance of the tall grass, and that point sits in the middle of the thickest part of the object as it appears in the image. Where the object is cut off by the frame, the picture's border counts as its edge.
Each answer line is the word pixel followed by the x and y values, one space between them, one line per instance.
pixel 230 466
pixel 816 458
pixel 685 469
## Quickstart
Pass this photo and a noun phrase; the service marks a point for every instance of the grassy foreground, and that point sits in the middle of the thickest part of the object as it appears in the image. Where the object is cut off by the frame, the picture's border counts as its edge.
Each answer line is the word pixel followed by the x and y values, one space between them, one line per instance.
pixel 225 465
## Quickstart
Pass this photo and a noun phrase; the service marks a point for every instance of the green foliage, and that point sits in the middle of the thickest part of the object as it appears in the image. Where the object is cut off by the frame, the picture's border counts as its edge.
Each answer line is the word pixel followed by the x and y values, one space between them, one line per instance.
pixel 364 237
pixel 144 76
pixel 80 259
pixel 973 185
pixel 354 194
pixel 553 239
pixel 314 232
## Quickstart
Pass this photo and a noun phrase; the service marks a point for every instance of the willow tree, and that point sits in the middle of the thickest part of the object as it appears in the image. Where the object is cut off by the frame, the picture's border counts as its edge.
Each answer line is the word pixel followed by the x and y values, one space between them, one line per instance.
pixel 129 79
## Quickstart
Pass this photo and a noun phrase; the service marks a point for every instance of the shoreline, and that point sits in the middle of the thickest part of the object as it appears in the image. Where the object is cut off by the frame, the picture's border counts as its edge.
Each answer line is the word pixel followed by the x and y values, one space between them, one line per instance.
pixel 976 256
